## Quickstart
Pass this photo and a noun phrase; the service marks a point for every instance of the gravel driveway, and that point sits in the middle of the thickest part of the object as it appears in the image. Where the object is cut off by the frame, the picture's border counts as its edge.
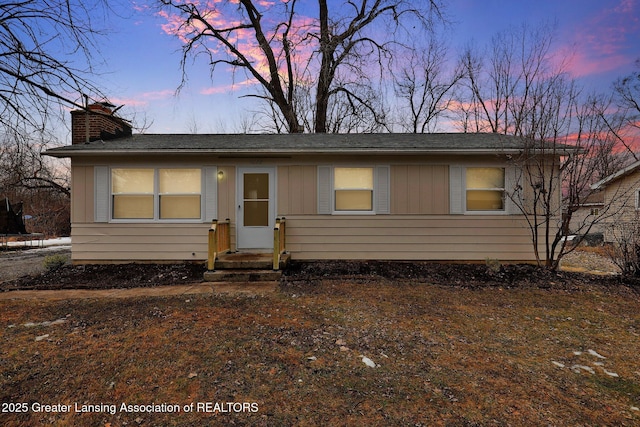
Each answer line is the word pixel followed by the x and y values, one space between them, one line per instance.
pixel 18 263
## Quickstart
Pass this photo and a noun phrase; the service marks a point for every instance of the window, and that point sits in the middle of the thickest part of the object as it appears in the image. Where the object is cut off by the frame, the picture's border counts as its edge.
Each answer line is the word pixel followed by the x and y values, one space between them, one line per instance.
pixel 132 193
pixel 179 193
pixel 595 211
pixel 485 189
pixel 353 189
pixel 156 193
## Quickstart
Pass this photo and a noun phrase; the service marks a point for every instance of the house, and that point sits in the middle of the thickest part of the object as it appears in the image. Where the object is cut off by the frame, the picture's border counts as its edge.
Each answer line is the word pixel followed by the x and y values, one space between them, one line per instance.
pixel 621 200
pixel 344 196
pixel 588 218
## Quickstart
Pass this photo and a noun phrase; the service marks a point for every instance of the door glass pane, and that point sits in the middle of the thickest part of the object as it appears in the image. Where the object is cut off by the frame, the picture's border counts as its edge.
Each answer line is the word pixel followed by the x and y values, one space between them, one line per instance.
pixel 256 186
pixel 256 213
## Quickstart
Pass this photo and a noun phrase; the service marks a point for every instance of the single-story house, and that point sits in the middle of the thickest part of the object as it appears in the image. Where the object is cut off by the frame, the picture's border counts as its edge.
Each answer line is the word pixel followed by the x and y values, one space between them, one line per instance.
pixel 146 197
pixel 621 200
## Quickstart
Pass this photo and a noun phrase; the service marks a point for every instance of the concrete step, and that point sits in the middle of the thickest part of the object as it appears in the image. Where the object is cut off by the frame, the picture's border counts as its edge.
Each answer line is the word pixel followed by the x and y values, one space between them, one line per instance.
pixel 236 275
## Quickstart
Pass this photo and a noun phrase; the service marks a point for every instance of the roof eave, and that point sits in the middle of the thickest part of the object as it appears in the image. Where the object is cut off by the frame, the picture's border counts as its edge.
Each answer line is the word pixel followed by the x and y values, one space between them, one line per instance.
pixel 253 153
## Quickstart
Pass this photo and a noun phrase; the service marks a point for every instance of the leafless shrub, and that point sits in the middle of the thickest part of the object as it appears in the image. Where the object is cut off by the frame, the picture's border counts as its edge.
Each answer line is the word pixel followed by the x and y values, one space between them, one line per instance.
pixel 625 251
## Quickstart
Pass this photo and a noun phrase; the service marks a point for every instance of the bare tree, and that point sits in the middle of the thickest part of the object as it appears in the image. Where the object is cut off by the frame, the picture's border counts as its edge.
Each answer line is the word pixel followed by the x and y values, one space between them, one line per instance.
pixel 499 81
pixel 37 38
pixel 427 88
pixel 281 49
pixel 46 52
pixel 518 89
pixel 627 91
pixel 40 185
pixel 573 129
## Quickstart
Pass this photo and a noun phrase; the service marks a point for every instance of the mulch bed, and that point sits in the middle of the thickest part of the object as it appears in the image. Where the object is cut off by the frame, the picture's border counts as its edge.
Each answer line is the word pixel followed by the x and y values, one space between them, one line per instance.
pixel 303 275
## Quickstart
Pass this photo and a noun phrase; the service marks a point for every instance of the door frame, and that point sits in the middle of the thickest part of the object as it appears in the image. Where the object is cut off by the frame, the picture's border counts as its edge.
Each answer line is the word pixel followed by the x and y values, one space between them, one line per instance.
pixel 262 235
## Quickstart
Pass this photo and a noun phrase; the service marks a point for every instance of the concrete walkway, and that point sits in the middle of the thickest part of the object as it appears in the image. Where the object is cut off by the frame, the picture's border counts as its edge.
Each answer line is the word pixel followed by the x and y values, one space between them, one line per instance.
pixel 254 288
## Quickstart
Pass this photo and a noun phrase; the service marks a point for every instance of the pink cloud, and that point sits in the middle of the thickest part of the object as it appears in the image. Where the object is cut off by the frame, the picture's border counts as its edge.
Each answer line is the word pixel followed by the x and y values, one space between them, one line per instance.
pixel 215 90
pixel 606 41
pixel 143 99
pixel 227 15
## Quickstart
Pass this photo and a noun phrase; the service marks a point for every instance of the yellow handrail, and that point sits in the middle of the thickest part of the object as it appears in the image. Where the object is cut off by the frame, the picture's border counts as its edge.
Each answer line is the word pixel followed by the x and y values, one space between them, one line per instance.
pixel 279 242
pixel 219 241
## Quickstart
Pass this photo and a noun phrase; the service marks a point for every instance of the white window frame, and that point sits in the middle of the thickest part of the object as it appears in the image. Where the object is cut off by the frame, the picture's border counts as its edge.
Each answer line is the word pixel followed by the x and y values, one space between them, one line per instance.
pixel 156 196
pixel 372 211
pixel 503 189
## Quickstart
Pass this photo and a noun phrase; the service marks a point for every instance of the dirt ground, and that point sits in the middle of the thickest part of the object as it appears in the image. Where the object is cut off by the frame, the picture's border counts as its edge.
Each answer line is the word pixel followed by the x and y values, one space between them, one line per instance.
pixel 358 351
pixel 339 343
pixel 25 270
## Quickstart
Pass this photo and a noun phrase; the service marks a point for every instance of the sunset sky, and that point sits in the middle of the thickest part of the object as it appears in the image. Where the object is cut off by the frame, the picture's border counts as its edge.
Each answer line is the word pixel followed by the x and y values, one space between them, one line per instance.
pixel 142 62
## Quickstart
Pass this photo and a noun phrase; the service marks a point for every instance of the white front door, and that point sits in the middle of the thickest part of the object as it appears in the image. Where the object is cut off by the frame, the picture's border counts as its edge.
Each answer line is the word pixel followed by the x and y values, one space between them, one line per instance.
pixel 256 207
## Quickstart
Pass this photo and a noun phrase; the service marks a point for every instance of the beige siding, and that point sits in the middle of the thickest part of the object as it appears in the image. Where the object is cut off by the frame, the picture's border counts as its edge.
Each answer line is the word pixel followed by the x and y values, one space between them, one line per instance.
pixel 620 205
pixel 418 228
pixel 82 194
pixel 139 242
pixel 297 190
pixel 437 237
pixel 419 189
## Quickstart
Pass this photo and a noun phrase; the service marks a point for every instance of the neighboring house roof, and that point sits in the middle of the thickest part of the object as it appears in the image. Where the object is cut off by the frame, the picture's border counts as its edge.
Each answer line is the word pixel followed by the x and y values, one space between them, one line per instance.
pixel 616 175
pixel 594 199
pixel 278 144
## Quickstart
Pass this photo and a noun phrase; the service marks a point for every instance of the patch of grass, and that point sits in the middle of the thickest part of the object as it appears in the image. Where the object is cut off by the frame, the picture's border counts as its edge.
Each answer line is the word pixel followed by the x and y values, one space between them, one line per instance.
pixel 444 356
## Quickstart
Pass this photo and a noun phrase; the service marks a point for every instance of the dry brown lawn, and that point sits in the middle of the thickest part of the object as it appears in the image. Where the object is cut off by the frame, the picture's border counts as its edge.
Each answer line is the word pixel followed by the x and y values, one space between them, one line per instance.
pixel 444 356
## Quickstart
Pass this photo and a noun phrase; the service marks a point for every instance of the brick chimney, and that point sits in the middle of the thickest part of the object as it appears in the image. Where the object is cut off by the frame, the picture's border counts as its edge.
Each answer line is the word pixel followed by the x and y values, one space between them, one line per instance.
pixel 97 122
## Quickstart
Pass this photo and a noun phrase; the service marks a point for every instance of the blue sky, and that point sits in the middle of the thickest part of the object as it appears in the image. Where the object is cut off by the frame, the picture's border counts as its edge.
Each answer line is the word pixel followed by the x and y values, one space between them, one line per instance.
pixel 142 63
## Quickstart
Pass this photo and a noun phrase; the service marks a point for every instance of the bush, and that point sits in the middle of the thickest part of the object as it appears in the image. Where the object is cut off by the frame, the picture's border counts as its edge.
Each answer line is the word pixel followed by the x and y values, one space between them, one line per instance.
pixel 54 262
pixel 625 251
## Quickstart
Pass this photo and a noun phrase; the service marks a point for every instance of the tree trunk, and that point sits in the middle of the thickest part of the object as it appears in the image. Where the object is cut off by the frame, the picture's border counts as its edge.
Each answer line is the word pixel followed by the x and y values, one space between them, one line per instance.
pixel 324 79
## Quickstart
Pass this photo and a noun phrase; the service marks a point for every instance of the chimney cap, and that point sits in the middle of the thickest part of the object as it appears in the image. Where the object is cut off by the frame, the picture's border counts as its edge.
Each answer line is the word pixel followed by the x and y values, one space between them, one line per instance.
pixel 104 106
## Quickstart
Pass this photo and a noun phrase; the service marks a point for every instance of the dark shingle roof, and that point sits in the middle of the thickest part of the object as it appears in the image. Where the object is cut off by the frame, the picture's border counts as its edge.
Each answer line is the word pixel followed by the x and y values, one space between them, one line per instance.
pixel 274 144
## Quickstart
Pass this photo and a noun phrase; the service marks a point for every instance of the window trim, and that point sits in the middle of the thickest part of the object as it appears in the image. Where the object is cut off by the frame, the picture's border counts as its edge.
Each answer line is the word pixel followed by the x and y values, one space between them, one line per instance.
pixel 156 196
pixel 505 209
pixel 371 211
pixel 333 191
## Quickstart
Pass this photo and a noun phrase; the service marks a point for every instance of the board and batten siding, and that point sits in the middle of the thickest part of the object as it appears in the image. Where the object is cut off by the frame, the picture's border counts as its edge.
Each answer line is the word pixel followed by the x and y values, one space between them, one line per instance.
pixel 82 188
pixel 420 189
pixel 297 190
